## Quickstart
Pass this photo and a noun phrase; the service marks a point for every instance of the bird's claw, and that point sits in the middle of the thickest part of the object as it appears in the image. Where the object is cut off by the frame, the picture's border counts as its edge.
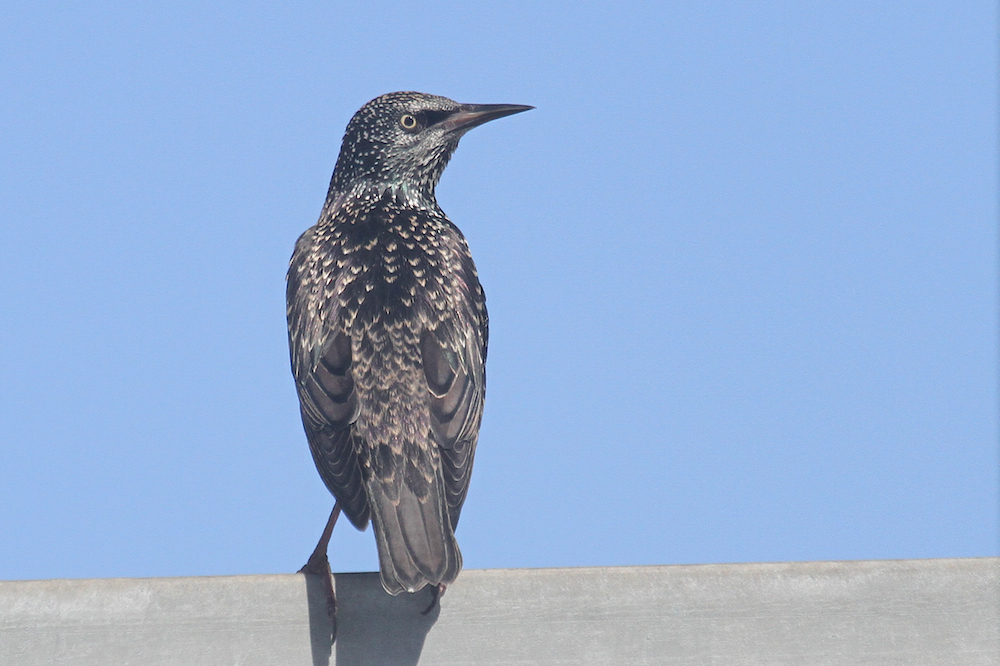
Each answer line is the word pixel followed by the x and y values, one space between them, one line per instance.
pixel 316 566
pixel 436 593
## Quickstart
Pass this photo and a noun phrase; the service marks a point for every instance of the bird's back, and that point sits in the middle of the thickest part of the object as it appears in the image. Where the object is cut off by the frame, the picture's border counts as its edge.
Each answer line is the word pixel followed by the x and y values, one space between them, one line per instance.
pixel 388 332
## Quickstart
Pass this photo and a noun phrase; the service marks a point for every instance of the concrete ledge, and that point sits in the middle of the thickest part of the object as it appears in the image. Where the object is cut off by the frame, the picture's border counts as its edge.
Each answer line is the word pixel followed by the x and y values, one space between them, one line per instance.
pixel 810 613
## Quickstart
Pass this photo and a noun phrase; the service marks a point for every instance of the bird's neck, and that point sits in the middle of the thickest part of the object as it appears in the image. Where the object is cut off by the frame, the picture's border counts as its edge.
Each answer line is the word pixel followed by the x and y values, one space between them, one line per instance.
pixel 401 193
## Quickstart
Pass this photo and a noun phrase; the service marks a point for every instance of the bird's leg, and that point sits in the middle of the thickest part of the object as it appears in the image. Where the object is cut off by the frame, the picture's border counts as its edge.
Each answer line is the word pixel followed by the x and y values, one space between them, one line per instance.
pixel 319 563
pixel 436 594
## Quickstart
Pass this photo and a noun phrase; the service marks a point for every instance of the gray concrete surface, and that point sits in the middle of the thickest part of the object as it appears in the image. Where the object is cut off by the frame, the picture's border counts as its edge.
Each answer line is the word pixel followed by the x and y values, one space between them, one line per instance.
pixel 910 612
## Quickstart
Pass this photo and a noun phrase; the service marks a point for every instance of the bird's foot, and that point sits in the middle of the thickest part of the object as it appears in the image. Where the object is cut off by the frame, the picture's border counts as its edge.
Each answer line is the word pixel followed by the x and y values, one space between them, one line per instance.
pixel 319 565
pixel 436 593
pixel 331 610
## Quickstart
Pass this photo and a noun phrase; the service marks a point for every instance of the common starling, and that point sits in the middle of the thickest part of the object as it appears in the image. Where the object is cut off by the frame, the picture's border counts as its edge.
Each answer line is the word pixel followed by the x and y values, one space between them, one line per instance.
pixel 387 329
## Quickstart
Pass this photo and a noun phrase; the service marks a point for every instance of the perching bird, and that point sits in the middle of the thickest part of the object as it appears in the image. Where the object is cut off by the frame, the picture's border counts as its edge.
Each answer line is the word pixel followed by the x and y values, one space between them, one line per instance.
pixel 387 329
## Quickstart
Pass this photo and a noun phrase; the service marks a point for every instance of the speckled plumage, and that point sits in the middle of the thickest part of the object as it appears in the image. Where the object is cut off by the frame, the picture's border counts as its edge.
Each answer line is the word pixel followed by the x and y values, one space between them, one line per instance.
pixel 388 331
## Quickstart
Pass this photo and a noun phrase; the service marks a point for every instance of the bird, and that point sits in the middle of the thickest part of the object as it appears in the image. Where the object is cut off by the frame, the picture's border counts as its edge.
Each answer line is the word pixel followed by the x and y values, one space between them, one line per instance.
pixel 388 333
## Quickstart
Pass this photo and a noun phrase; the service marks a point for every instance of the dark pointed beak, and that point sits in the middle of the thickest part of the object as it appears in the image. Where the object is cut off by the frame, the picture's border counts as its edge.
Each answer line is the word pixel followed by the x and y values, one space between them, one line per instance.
pixel 473 115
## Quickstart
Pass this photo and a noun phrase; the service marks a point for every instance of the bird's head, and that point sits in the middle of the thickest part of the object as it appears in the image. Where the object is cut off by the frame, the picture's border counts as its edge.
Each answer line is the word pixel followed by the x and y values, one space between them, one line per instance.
pixel 403 141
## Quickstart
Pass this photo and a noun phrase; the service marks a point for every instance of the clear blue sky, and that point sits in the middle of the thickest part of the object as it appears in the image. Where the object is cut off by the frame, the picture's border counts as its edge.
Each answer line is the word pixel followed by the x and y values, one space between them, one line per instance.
pixel 741 265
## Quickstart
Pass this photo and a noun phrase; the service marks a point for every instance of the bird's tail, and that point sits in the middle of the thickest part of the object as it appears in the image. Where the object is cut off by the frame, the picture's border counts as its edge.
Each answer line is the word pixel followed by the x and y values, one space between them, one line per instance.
pixel 416 543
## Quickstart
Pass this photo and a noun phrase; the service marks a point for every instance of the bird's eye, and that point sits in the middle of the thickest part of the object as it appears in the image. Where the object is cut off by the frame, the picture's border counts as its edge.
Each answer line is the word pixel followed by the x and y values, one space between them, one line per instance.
pixel 408 122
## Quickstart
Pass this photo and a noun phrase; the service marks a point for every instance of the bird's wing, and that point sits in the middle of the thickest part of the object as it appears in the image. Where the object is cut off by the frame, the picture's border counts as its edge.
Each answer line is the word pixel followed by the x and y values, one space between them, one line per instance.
pixel 329 406
pixel 322 366
pixel 454 361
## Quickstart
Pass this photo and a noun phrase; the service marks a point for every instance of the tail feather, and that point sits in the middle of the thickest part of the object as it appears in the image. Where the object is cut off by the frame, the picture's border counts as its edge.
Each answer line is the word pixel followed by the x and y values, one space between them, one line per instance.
pixel 416 544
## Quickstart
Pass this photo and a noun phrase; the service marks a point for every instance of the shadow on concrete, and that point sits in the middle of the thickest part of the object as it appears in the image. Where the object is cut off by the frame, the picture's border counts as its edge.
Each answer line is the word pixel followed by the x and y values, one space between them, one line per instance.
pixel 322 628
pixel 371 627
pixel 376 628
